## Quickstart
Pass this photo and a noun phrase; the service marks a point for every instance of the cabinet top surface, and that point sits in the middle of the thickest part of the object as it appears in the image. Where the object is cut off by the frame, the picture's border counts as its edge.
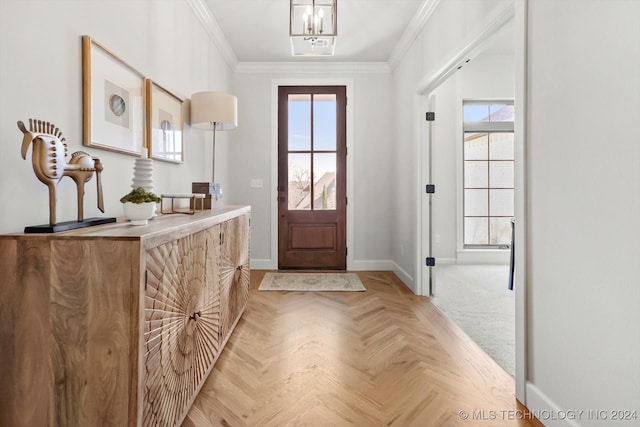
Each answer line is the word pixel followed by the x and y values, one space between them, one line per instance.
pixel 161 224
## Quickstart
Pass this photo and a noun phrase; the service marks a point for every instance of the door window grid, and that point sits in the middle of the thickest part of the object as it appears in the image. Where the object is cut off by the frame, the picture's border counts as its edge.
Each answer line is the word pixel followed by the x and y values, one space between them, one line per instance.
pixel 312 123
pixel 488 160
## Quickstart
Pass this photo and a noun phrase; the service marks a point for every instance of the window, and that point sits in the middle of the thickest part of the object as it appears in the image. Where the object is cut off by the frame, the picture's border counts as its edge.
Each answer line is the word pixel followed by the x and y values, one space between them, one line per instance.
pixel 312 151
pixel 488 156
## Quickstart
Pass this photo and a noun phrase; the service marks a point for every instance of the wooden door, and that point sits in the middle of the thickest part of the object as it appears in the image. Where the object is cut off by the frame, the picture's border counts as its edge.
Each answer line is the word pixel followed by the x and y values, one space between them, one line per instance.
pixel 312 195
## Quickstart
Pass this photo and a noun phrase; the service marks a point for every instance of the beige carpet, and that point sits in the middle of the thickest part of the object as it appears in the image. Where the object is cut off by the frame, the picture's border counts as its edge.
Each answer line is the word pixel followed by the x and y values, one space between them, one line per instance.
pixel 313 282
pixel 477 299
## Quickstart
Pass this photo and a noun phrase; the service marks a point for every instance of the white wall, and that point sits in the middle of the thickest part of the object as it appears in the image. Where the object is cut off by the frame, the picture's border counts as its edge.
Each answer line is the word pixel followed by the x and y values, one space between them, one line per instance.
pixel 252 156
pixel 584 206
pixel 41 77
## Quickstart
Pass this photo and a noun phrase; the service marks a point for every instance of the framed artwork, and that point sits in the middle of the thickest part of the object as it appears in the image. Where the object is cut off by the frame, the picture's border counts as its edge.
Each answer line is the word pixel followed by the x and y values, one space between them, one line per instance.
pixel 165 118
pixel 113 101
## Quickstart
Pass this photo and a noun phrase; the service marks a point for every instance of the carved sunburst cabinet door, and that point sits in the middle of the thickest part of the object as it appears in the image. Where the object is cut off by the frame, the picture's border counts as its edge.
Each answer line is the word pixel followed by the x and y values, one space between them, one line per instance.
pixel 182 317
pixel 234 271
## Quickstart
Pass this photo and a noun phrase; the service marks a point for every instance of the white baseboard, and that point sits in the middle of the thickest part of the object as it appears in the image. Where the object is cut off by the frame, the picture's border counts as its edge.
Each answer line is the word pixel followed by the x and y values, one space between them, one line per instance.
pixel 406 278
pixel 548 412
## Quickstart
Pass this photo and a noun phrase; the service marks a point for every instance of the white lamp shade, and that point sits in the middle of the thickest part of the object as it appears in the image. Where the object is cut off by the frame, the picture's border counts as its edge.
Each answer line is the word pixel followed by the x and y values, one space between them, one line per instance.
pixel 208 108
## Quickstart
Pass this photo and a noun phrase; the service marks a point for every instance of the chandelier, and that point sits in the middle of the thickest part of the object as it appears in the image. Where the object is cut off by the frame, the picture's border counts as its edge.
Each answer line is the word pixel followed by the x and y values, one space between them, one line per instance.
pixel 312 27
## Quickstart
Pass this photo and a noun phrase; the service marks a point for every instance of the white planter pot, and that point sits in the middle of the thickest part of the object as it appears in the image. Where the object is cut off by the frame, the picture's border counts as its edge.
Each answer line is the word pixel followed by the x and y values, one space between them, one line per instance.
pixel 139 213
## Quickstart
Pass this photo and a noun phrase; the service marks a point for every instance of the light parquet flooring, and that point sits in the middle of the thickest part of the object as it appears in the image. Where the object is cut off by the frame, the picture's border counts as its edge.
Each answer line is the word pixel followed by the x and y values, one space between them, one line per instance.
pixel 384 357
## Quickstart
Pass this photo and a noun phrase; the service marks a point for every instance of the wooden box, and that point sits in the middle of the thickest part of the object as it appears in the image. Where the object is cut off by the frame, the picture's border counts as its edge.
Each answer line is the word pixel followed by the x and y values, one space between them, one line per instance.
pixel 205 188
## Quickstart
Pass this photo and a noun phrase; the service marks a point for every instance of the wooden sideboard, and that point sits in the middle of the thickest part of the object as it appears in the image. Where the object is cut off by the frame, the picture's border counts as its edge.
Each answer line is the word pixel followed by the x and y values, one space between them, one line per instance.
pixel 118 325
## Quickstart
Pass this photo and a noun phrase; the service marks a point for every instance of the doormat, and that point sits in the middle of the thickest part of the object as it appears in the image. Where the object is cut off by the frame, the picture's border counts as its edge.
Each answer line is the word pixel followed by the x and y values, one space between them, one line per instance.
pixel 312 282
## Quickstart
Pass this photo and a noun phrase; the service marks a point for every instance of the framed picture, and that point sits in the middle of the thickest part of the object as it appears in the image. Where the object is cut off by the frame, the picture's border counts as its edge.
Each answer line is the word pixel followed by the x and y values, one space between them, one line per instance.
pixel 113 101
pixel 166 123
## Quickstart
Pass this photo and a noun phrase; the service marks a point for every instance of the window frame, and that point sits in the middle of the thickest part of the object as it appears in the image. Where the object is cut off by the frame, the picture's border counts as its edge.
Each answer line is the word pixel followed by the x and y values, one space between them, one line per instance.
pixel 489 128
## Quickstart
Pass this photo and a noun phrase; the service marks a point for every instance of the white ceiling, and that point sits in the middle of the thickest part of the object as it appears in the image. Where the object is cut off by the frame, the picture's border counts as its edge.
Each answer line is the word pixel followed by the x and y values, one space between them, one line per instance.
pixel 368 30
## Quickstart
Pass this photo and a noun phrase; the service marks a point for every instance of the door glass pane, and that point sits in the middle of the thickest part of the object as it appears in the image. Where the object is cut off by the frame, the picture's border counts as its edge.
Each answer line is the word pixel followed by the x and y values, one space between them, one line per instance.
pixel 500 231
pixel 299 178
pixel 501 174
pixel 299 122
pixel 476 203
pixel 324 122
pixel 475 175
pixel 476 231
pixel 476 146
pixel 501 146
pixel 501 113
pixel 476 112
pixel 324 181
pixel 501 202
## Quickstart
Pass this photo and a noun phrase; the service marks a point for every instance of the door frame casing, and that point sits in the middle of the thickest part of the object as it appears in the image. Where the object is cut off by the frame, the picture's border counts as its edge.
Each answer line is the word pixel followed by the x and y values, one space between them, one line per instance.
pixel 275 83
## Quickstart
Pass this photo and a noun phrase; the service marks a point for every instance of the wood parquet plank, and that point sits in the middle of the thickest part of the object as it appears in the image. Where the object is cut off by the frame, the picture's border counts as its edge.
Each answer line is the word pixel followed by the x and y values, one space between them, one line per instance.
pixel 384 357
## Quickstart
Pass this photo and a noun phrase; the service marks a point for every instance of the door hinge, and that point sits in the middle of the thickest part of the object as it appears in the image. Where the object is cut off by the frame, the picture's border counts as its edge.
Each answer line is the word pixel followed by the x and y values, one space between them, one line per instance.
pixel 346 251
pixel 430 189
pixel 430 116
pixel 431 261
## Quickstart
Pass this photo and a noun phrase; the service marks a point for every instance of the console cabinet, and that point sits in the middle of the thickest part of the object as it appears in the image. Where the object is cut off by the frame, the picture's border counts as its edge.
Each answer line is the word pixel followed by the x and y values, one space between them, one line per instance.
pixel 118 325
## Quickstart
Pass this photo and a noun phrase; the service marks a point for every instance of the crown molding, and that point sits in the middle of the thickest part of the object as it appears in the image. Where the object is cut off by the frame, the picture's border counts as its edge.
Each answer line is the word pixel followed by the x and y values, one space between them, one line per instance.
pixel 202 12
pixel 313 67
pixel 206 18
pixel 413 30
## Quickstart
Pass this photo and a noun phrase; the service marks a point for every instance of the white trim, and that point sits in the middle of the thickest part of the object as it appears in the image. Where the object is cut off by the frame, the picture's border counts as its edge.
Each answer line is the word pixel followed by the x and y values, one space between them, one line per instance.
pixel 404 277
pixel 204 15
pixel 487 127
pixel 412 31
pixel 420 105
pixel 540 404
pixel 497 19
pixel 313 67
pixel 429 104
pixel 274 156
pixel 521 239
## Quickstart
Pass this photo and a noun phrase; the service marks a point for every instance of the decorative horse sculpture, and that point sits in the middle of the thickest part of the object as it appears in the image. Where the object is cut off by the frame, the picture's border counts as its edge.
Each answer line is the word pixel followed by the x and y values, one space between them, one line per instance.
pixel 50 166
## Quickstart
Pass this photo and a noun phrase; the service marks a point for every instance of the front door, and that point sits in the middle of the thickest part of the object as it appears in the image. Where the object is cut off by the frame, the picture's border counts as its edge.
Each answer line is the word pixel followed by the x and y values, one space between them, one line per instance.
pixel 312 195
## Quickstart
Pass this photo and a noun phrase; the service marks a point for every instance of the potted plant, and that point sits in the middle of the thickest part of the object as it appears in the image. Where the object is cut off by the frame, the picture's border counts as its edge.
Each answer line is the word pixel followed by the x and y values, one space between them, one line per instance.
pixel 139 205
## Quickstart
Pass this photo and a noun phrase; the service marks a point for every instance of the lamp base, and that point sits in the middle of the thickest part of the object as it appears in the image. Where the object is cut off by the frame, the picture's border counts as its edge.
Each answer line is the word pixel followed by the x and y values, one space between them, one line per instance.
pixel 212 192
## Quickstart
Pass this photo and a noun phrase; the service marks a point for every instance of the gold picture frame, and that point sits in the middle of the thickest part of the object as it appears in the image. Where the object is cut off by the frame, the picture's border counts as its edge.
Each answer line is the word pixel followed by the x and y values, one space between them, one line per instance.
pixel 165 120
pixel 113 101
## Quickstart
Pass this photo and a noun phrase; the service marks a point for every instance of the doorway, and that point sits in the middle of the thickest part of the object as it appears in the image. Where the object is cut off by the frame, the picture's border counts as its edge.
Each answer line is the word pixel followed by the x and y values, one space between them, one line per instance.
pixel 312 177
pixel 462 253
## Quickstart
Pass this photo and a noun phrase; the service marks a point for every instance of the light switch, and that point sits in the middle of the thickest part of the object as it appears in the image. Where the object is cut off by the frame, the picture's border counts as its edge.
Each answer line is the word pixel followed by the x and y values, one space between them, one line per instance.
pixel 255 183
